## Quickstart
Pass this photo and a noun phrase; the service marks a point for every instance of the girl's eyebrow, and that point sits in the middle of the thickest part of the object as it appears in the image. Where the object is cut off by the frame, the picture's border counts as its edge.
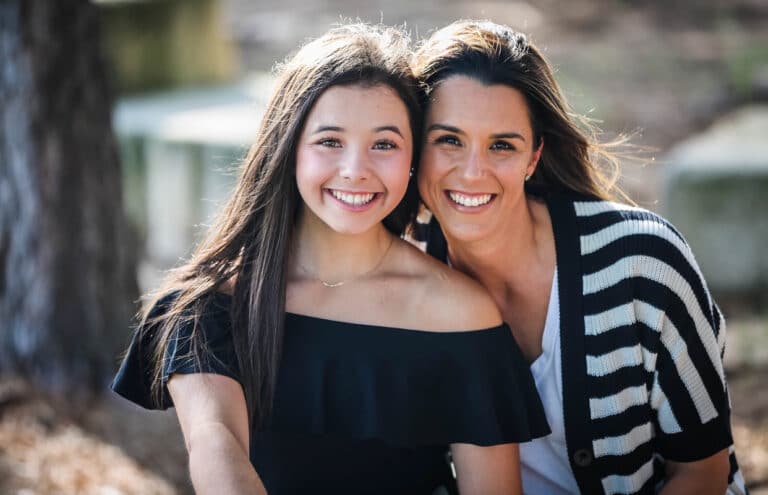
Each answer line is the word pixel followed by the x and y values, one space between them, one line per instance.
pixel 324 128
pixel 392 128
pixel 333 128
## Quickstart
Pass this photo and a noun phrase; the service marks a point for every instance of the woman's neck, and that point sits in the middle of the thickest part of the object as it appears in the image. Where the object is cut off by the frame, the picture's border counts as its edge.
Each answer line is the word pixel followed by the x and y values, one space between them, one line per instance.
pixel 331 257
pixel 505 261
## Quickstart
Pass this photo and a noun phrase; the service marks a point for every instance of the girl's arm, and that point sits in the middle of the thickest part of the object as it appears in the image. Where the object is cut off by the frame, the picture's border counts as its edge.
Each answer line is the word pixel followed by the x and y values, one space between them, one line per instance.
pixel 212 413
pixel 491 470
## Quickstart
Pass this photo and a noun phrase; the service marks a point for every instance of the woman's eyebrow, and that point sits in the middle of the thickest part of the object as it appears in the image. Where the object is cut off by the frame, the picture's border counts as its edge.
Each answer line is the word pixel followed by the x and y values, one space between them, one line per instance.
pixel 456 130
pixel 508 135
pixel 444 127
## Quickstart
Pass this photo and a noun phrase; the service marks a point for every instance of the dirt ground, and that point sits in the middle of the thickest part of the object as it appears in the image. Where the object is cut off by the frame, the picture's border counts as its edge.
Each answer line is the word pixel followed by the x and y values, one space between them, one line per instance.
pixel 118 448
pixel 749 399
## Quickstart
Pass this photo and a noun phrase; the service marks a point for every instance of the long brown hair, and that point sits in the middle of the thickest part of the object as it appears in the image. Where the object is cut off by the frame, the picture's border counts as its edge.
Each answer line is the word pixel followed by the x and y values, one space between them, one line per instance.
pixel 572 158
pixel 251 239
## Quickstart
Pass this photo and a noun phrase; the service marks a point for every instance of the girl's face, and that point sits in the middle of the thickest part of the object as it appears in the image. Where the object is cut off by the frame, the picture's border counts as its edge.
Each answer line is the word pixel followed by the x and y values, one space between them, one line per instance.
pixel 354 157
pixel 479 148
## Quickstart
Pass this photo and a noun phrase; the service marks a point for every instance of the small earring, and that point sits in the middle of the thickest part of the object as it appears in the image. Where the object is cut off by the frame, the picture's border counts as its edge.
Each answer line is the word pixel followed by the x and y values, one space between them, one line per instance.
pixel 527 177
pixel 410 174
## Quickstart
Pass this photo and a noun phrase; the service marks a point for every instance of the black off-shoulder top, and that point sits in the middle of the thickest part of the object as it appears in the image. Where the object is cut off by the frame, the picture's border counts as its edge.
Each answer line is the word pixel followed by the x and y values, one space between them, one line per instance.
pixel 360 408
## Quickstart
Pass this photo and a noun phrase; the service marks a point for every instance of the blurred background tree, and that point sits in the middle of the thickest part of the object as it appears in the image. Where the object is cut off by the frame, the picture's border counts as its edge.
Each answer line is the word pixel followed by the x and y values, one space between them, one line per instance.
pixel 67 280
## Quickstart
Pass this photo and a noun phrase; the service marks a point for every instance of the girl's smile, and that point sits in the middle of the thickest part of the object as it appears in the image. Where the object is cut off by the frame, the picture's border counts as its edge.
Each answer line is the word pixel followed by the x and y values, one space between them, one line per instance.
pixel 354 157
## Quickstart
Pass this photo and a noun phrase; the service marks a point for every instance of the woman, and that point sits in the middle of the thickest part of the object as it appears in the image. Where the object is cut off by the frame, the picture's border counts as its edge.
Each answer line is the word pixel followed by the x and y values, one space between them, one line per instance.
pixel 605 299
pixel 305 346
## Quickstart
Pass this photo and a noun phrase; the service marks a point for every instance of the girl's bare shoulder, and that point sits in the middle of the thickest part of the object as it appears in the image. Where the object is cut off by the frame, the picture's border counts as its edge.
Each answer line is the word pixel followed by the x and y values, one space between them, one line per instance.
pixel 443 299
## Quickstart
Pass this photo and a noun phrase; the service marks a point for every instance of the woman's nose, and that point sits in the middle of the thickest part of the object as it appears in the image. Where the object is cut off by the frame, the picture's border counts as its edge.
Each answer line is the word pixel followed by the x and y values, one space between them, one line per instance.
pixel 474 165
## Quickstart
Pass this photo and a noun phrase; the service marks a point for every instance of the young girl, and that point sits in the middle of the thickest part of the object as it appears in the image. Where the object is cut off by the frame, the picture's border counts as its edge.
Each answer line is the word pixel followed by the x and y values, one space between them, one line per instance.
pixel 305 346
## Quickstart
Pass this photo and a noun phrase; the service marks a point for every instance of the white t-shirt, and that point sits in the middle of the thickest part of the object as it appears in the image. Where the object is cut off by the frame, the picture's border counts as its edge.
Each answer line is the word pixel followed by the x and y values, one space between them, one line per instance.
pixel 544 461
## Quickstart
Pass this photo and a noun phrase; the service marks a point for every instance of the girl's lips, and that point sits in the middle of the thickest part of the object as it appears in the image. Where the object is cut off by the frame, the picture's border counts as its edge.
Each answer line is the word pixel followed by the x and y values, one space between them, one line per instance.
pixel 354 200
pixel 469 202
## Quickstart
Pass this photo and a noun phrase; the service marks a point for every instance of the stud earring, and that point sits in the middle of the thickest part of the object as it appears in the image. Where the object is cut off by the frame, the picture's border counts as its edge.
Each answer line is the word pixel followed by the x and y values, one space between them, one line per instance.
pixel 527 177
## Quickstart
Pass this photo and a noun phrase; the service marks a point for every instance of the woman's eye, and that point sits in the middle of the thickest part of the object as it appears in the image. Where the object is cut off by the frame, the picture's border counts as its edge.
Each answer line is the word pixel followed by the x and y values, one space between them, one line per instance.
pixel 384 145
pixel 502 145
pixel 448 139
pixel 329 142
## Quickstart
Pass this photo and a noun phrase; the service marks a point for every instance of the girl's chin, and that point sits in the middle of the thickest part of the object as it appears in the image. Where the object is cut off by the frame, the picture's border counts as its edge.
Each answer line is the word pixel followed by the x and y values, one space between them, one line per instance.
pixel 351 226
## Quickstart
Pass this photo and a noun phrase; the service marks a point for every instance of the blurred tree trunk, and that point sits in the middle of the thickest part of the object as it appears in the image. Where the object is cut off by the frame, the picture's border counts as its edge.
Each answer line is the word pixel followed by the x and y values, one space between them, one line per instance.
pixel 67 278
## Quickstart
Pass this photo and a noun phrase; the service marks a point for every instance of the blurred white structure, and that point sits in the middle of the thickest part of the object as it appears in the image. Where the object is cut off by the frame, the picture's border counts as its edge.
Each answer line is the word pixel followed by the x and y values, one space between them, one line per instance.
pixel 716 193
pixel 180 151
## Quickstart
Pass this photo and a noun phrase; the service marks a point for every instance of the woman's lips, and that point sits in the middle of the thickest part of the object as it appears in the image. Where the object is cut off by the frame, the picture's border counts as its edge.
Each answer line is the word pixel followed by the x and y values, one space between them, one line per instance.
pixel 469 201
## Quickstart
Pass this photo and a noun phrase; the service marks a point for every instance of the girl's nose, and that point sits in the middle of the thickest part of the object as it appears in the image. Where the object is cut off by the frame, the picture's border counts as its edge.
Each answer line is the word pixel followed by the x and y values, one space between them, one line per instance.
pixel 355 166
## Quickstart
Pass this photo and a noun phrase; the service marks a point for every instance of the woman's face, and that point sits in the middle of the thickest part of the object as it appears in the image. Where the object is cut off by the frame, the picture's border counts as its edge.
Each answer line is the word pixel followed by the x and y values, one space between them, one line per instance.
pixel 479 148
pixel 354 157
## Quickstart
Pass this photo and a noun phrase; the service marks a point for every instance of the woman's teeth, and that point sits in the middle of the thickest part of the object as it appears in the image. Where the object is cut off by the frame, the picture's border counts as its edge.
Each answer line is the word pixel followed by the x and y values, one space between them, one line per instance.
pixel 353 199
pixel 465 200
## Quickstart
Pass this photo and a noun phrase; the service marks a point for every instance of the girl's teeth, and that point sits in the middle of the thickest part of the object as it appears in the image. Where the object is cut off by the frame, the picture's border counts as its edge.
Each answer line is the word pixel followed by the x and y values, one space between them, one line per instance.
pixel 470 200
pixel 353 199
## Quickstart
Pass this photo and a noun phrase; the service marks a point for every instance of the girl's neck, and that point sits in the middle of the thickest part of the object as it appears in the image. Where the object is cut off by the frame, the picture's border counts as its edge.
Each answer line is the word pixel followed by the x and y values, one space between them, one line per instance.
pixel 321 253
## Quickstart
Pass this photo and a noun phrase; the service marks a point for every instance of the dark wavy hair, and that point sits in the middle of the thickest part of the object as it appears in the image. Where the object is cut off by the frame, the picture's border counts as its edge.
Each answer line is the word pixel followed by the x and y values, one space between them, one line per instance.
pixel 251 239
pixel 572 158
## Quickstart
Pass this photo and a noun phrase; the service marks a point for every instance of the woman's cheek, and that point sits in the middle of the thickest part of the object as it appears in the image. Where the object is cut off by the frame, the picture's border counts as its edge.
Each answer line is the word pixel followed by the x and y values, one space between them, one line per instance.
pixel 423 181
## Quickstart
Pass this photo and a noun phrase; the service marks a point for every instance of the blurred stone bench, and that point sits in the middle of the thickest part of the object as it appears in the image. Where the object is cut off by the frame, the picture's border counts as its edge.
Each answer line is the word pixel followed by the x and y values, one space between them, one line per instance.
pixel 716 194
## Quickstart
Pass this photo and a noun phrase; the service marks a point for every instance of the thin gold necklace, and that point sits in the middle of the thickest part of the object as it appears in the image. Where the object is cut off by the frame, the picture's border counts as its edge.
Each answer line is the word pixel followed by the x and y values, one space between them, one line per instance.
pixel 332 285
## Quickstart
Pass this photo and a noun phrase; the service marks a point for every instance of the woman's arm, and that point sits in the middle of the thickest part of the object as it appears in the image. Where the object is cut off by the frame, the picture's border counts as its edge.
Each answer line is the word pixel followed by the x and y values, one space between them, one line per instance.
pixel 689 393
pixel 212 413
pixel 491 470
pixel 703 477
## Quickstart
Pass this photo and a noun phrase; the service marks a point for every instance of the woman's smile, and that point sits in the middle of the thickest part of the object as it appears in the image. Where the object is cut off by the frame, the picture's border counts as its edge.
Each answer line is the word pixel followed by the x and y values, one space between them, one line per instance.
pixel 464 201
pixel 477 152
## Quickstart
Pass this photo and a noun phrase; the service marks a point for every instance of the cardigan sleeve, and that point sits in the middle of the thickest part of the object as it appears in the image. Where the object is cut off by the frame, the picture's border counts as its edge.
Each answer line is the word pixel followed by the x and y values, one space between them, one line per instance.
pixel 689 393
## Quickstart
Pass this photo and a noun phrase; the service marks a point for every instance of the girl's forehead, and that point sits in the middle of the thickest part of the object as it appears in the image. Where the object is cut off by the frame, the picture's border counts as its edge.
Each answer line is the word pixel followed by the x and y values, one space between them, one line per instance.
pixel 360 105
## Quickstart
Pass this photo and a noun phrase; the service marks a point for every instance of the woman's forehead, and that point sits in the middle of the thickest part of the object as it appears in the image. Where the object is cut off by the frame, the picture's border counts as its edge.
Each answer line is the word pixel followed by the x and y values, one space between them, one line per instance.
pixel 465 101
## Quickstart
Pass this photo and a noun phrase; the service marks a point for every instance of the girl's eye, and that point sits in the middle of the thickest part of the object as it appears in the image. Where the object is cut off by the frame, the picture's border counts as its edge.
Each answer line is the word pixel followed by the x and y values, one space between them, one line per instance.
pixel 502 145
pixel 329 143
pixel 384 145
pixel 448 139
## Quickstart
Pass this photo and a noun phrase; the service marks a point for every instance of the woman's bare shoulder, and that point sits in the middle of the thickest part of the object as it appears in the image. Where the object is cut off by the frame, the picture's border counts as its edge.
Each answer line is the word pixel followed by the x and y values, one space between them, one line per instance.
pixel 446 299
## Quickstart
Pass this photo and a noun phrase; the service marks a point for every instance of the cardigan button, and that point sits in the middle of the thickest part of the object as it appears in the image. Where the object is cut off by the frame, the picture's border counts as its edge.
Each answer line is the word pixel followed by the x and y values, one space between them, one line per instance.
pixel 582 457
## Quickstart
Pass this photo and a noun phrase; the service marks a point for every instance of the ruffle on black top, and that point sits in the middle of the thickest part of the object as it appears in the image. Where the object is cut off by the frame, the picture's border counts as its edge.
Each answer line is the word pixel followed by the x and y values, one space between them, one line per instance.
pixel 133 380
pixel 406 387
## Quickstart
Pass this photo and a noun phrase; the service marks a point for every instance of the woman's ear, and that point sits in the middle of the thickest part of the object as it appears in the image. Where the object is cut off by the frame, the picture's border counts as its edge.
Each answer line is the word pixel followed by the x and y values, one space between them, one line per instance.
pixel 535 158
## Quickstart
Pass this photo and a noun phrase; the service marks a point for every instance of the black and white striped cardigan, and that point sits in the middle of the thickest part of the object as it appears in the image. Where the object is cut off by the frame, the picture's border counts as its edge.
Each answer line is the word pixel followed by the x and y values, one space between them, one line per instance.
pixel 642 344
